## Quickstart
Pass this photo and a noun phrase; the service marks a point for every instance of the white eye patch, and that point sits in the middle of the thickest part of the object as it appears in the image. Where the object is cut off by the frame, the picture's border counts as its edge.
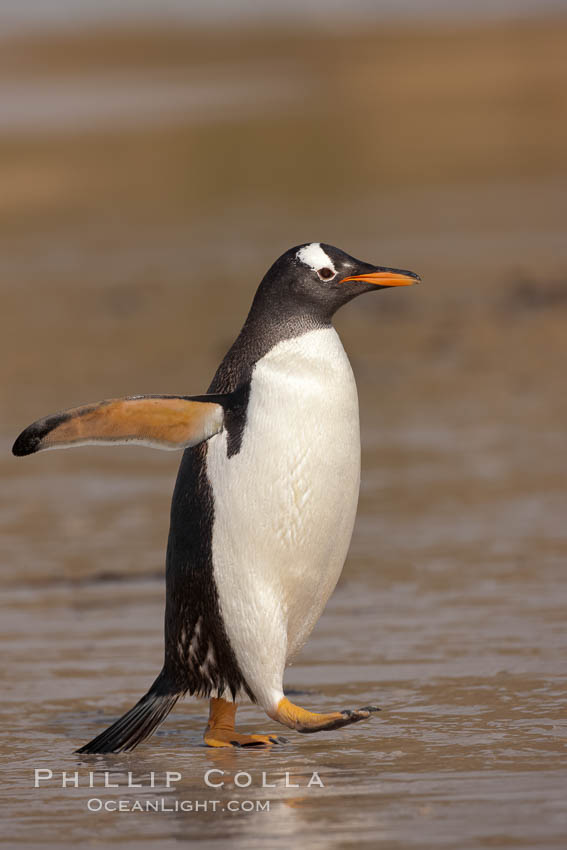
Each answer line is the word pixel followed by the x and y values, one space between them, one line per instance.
pixel 313 256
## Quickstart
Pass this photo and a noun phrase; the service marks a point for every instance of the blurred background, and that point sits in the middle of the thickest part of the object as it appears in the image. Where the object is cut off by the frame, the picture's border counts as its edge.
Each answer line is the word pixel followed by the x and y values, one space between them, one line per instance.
pixel 154 160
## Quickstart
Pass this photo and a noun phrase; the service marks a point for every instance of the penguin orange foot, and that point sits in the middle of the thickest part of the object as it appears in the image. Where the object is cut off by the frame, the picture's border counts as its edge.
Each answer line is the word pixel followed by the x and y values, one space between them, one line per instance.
pixel 305 721
pixel 220 730
pixel 265 500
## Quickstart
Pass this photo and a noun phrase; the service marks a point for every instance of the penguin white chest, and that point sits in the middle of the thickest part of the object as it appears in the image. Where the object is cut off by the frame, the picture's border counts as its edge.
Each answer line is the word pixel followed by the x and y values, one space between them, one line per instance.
pixel 285 504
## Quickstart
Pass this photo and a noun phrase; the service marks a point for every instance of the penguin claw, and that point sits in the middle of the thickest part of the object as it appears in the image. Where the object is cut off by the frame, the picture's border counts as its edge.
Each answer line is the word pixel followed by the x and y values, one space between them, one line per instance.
pixel 349 715
pixel 360 713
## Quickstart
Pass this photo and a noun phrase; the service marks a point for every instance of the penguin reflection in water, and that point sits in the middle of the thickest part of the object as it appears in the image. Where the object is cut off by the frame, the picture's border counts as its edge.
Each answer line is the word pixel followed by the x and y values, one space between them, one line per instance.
pixel 264 504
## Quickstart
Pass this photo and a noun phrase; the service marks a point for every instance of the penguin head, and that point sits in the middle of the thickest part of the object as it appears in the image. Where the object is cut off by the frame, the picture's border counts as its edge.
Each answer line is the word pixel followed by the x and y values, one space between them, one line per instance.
pixel 316 279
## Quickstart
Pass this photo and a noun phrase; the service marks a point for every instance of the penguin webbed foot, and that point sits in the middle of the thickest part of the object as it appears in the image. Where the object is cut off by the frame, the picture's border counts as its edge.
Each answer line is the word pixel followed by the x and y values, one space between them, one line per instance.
pixel 230 738
pixel 308 722
pixel 347 718
pixel 220 731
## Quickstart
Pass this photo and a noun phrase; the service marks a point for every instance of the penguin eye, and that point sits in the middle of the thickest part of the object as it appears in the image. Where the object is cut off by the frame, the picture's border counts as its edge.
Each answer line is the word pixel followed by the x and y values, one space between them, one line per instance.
pixel 326 273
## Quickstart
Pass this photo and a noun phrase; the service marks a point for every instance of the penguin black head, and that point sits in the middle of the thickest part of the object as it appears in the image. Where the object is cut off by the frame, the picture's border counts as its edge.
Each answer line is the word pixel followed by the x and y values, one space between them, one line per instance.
pixel 315 279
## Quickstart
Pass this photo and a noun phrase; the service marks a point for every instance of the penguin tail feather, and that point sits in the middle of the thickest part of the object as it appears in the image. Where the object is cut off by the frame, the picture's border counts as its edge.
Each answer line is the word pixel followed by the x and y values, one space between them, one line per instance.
pixel 138 723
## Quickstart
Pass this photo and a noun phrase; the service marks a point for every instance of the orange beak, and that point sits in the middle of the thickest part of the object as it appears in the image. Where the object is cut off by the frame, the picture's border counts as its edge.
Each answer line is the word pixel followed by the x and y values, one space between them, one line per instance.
pixel 386 277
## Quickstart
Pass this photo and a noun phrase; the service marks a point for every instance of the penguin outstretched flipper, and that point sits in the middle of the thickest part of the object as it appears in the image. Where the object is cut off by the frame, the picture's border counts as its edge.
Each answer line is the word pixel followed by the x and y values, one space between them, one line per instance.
pixel 162 422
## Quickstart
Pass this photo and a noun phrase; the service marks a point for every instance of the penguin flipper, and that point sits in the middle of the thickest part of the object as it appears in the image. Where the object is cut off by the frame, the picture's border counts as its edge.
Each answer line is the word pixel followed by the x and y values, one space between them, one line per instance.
pixel 162 422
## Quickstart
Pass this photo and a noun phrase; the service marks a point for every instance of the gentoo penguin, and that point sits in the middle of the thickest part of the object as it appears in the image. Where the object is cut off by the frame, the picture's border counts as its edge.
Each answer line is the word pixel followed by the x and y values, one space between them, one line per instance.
pixel 264 504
